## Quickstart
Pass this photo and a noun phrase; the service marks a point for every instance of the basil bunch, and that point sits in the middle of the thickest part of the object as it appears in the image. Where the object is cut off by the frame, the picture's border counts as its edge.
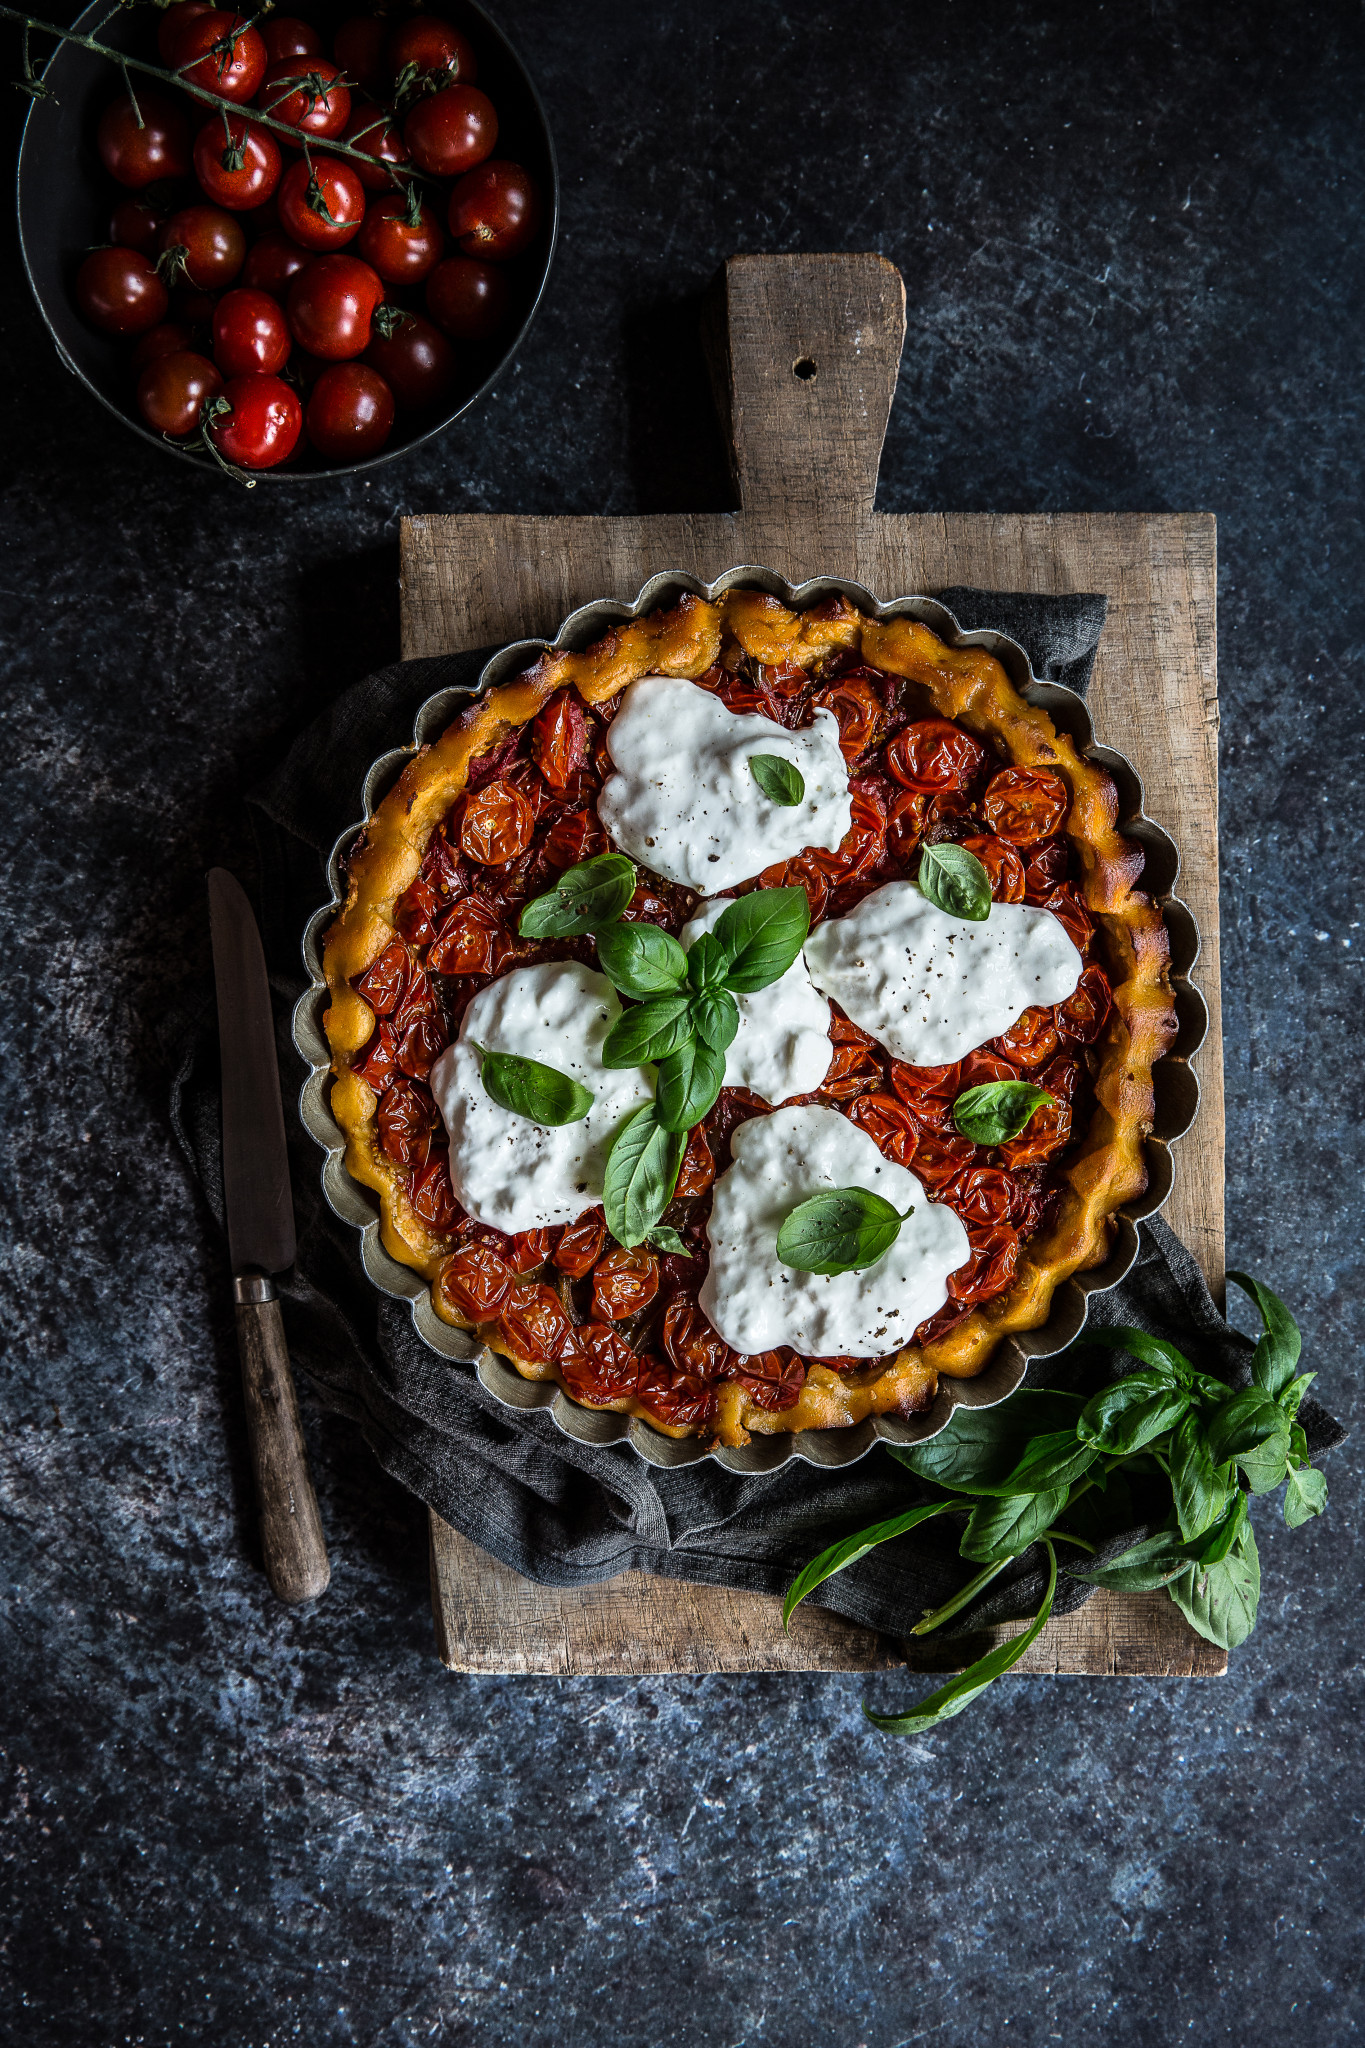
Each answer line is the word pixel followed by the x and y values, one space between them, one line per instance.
pixel 1052 1468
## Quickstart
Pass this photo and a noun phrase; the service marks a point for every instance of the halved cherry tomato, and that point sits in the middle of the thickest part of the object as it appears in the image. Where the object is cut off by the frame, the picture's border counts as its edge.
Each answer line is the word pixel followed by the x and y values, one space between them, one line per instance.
pixel 990 1269
pixel 262 424
pixel 624 1282
pixel 599 1365
pixel 496 824
pixel 534 1323
pixel 119 292
pixel 433 1198
pixel 322 204
pixel 559 738
pixel 581 1245
pixel 250 333
pixel 470 940
pixel 1030 1041
pixel 698 1168
pixel 1080 1019
pixel 1025 805
pixel 980 1195
pixel 469 301
pixel 475 1282
pixel 307 94
pixel 860 712
pixel 384 980
pixel 171 392
pixel 934 754
pixel 238 169
pixel 573 837
pixel 406 1117
pixel 451 130
pixel 1002 865
pixel 890 1126
pixel 495 210
pixel 219 51
pixel 677 1398
pixel 692 1344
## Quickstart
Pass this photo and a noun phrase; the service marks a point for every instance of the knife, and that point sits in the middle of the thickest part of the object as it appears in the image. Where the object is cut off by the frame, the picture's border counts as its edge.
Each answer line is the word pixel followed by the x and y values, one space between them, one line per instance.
pixel 260 1217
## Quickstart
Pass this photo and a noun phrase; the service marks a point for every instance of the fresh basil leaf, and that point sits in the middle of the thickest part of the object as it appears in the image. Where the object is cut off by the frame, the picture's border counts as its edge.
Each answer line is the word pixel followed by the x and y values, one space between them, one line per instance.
pixel 980 1447
pixel 541 1094
pixel 780 780
pixel 584 899
pixel 841 1555
pixel 1304 1496
pixel 664 1238
pixel 642 1172
pixel 1220 1599
pixel 1290 1397
pixel 840 1230
pixel 1215 1543
pixel 1200 1487
pixel 997 1529
pixel 955 881
pixel 960 1691
pixel 1245 1421
pixel 1142 1568
pixel 1277 1353
pixel 1132 1412
pixel 1266 1464
pixel 761 934
pixel 715 1018
pixel 647 1031
pixel 997 1111
pixel 641 960
pixel 707 961
pixel 1056 1459
pixel 690 1079
pixel 1156 1352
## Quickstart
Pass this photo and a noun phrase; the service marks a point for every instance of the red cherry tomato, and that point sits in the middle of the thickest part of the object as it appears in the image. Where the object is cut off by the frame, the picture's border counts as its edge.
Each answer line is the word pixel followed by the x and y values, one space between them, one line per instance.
pixel 574 836
pixel 559 739
pixel 851 1072
pixel 495 212
pixel 475 1282
pixel 533 1323
pixel 624 1282
pixel 239 170
pixel 371 129
pixel 402 250
pixel 469 301
pixel 1025 805
pixel 272 262
pixel 1030 1041
pixel 1047 866
pixel 321 204
pixel 331 304
pixel 471 940
pixel 350 413
pixel 428 44
pixel 599 1365
pixel 306 93
pixel 384 980
pixel 135 225
pixel 166 340
pixel 233 71
pixel 496 824
pixel 262 424
pixel 284 35
pixel 889 1124
pixel 905 821
pixel 358 47
pixel 1002 864
pixel 250 333
pixel 698 1168
pixel 119 292
pixel 415 360
pixel 582 1245
pixel 991 1267
pixel 451 130
pixel 171 392
pixel 934 754
pixel 692 1344
pixel 855 703
pixel 212 244
pixel 174 23
pixel 139 156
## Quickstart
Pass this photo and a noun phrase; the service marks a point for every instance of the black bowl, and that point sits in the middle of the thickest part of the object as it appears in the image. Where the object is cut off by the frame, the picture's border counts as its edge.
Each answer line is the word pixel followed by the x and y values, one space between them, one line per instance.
pixel 65 197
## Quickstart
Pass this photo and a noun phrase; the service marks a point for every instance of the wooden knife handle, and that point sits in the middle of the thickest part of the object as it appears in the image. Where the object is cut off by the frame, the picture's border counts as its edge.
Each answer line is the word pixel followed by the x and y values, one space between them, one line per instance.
pixel 291 1527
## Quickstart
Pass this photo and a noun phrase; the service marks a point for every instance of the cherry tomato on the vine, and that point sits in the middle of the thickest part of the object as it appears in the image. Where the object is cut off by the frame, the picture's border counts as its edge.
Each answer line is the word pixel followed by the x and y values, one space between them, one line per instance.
pixel 468 300
pixel 322 205
pixel 306 93
pixel 358 47
pixel 171 392
pixel 429 44
pixel 284 35
pixel 350 413
pixel 118 291
pixel 402 249
pixel 371 129
pixel 166 340
pixel 250 333
pixel 495 211
pixel 261 424
pixel 238 169
pixel 272 262
pixel 174 23
pixel 331 304
pixel 414 359
pixel 139 155
pixel 135 225
pixel 451 130
pixel 212 246
pixel 233 70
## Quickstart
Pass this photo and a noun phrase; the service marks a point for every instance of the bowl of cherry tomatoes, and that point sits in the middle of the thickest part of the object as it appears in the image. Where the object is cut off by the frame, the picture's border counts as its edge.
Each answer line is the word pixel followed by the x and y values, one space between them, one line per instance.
pixel 290 245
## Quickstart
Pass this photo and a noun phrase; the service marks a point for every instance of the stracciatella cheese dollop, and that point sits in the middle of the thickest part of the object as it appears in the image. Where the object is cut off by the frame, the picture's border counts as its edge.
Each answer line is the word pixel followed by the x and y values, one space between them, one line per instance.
pixel 930 987
pixel 683 800
pixel 782 1046
pixel 757 1303
pixel 508 1172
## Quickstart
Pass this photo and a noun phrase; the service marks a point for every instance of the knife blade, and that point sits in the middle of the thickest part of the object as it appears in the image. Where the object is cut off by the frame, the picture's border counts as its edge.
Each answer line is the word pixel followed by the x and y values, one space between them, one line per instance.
pixel 260 1216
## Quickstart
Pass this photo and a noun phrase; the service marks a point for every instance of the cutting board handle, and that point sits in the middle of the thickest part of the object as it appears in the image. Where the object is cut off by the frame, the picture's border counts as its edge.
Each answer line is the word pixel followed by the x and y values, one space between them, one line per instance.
pixel 804 352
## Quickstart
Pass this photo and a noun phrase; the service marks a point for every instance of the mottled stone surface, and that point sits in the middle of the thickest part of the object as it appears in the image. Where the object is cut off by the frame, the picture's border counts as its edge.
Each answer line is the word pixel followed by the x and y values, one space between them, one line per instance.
pixel 1131 239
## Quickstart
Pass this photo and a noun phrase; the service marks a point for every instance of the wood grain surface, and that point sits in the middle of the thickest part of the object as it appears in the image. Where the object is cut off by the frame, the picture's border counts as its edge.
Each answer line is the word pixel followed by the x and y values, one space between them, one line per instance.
pixel 805 351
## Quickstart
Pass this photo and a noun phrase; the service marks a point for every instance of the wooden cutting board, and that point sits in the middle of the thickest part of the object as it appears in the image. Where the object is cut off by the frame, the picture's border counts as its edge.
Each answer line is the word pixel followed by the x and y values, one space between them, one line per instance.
pixel 806 351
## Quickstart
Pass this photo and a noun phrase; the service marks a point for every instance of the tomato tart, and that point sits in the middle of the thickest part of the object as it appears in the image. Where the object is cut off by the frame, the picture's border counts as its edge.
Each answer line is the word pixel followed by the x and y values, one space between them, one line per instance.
pixel 677 793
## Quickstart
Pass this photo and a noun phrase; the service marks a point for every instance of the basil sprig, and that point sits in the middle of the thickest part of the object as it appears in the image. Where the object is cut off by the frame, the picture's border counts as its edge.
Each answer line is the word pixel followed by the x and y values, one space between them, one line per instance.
pixel 780 780
pixel 997 1111
pixel 541 1094
pixel 955 881
pixel 584 899
pixel 1051 1468
pixel 840 1230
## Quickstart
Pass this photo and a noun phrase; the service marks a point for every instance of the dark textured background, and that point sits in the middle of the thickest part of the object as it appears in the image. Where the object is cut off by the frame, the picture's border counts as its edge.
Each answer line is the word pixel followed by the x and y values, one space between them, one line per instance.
pixel 1131 238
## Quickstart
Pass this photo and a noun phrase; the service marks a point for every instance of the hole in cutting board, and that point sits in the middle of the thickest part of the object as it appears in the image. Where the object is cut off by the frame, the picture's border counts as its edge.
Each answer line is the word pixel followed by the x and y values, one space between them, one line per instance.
pixel 806 369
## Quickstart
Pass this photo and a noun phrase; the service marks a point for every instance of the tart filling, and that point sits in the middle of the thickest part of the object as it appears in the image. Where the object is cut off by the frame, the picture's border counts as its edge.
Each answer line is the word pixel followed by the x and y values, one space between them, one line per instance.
pixel 782 1046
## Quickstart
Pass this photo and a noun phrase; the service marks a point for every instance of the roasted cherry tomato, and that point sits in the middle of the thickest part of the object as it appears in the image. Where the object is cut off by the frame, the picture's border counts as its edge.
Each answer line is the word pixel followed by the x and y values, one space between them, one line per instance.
pixel 358 47
pixel 574 836
pixel 980 1195
pixel 934 754
pixel 858 708
pixel 119 292
pixel 927 1092
pixel 469 301
pixel 990 1269
pixel 402 238
pixel 384 980
pixel 863 846
pixel 405 1117
pixel 905 821
pixel 219 51
pixel 172 389
pixel 322 204
pixel 889 1124
pixel 450 131
pixel 166 340
pixel 772 1379
pixel 981 1067
pixel 1049 1128
pixel 377 1065
pixel 1067 907
pixel 530 1249
pixel 273 262
pixel 262 424
pixel 433 1198
pixel 1002 865
pixel 331 304
pixel 211 246
pixel 692 1344
pixel 1080 1019
pixel 470 940
pixel 350 413
pixel 249 333
pixel 134 224
pixel 138 156
pixel 284 35
pixel 1047 866
pixel 428 45
pixel 1030 1041
pixel 415 360
pixel 533 1323
pixel 420 1046
pixel 559 739
pixel 940 1155
pixel 239 169
pixel 698 1168
pixel 598 1365
pixel 677 1399
pixel 624 1282
pixel 851 1072
pixel 495 824
pixel 804 872
pixel 1025 805
pixel 581 1245
pixel 494 211
pixel 306 93
pixel 782 679
pixel 371 129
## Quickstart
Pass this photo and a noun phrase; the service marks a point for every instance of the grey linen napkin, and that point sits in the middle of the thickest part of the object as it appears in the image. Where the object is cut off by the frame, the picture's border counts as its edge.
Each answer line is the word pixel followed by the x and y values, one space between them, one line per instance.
pixel 558 1511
